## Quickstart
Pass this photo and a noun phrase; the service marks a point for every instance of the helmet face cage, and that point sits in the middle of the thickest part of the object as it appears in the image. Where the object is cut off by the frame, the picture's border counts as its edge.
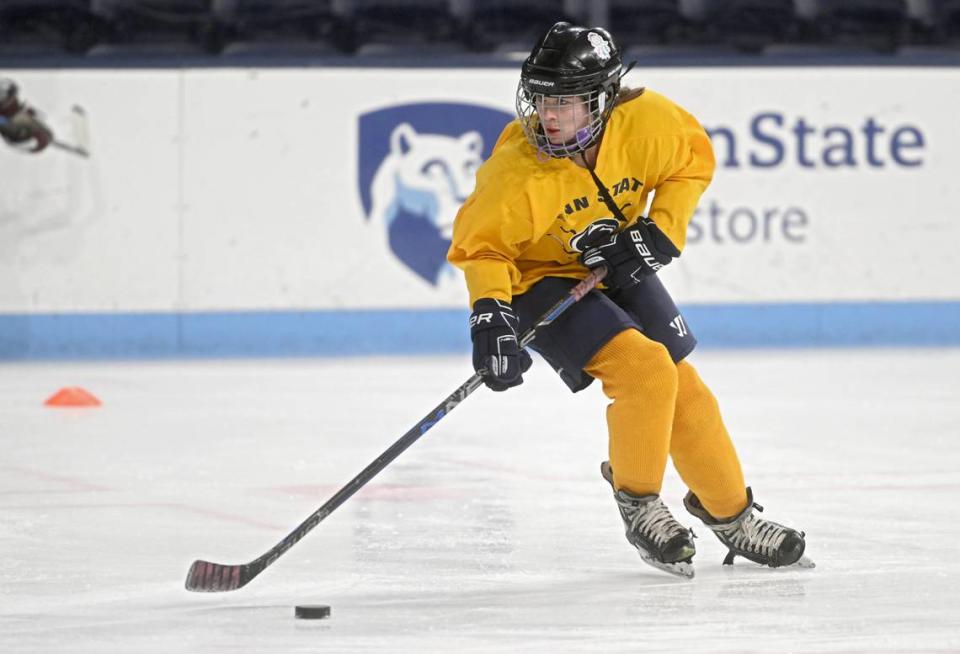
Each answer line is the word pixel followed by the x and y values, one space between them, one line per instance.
pixel 571 108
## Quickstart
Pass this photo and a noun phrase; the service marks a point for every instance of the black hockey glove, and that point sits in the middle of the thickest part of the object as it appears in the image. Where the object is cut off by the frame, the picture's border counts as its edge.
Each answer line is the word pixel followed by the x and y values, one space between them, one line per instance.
pixel 639 250
pixel 497 356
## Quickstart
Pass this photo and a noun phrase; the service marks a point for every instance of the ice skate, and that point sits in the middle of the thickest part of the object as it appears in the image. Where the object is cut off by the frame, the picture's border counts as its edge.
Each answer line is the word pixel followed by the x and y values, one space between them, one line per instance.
pixel 650 527
pixel 753 537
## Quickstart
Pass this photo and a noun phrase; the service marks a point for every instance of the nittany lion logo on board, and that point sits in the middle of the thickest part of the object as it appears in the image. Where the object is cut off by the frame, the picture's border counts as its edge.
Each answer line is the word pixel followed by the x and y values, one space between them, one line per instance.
pixel 418 164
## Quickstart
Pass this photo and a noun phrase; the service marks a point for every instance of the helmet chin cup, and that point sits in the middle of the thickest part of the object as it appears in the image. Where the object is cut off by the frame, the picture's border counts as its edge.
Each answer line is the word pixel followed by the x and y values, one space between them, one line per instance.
pixel 583 138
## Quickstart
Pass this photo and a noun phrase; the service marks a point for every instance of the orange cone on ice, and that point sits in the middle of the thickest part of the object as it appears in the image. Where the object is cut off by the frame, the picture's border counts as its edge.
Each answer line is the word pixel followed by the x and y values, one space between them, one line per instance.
pixel 71 396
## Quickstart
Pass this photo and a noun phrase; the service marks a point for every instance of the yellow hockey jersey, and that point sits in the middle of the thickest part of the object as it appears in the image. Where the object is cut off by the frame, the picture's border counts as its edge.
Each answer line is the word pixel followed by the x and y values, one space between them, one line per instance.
pixel 527 216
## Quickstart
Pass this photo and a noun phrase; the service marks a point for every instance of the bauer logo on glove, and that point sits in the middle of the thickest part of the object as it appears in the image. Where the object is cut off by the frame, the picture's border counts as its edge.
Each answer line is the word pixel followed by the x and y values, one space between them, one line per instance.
pixel 639 250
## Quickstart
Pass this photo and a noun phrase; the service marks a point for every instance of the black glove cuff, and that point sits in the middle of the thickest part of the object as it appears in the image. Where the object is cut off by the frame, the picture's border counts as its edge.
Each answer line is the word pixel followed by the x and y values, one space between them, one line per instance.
pixel 489 313
pixel 659 240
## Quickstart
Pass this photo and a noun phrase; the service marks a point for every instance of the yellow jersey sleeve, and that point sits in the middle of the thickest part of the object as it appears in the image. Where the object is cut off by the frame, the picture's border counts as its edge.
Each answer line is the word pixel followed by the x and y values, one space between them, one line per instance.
pixel 488 233
pixel 487 240
pixel 686 164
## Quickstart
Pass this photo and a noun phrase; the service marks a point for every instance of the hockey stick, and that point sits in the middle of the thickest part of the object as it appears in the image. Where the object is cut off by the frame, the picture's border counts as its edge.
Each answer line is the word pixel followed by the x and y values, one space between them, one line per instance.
pixel 81 133
pixel 75 149
pixel 217 577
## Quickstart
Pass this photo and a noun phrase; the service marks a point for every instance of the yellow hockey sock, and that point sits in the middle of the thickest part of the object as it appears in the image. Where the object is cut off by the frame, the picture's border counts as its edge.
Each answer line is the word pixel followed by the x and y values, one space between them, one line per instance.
pixel 702 450
pixel 641 380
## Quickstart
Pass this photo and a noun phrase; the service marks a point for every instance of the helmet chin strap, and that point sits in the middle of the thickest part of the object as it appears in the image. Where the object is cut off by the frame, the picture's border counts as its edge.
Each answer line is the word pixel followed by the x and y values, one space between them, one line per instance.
pixel 604 192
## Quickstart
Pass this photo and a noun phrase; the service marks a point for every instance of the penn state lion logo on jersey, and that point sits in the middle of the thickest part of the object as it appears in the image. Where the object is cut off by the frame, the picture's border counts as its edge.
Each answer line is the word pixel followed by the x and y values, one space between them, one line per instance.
pixel 417 166
pixel 596 232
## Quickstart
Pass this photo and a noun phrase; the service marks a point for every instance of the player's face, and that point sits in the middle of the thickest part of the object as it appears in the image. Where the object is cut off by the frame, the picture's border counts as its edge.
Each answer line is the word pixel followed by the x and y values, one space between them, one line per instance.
pixel 562 116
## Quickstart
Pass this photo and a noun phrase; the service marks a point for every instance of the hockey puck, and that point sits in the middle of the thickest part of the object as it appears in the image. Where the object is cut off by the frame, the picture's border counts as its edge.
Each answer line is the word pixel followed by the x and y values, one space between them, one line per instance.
pixel 312 611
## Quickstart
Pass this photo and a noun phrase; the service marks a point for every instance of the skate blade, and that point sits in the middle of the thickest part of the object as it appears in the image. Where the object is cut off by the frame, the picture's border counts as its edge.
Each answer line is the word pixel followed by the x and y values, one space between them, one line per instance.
pixel 802 562
pixel 678 569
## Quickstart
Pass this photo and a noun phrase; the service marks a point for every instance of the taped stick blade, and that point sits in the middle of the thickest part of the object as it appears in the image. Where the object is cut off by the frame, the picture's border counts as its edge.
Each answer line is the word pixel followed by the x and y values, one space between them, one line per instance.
pixel 214 577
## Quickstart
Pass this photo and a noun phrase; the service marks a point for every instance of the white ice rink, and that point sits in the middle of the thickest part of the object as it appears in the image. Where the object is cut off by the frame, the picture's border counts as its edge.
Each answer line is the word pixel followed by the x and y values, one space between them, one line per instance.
pixel 495 532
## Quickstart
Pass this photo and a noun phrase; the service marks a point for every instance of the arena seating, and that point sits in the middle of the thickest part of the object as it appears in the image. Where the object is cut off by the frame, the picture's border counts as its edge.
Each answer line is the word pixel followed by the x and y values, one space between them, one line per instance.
pixel 350 28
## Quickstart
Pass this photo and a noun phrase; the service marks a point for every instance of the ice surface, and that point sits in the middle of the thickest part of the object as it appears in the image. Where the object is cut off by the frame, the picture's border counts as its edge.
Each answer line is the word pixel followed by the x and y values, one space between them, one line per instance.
pixel 495 532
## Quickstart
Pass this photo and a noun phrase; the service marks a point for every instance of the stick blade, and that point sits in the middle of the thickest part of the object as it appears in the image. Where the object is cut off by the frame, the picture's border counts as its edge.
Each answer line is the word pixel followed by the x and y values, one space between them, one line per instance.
pixel 81 128
pixel 206 577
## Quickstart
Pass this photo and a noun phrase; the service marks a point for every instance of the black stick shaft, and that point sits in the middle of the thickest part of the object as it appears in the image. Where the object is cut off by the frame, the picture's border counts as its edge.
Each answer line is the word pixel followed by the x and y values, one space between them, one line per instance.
pixel 214 577
pixel 75 149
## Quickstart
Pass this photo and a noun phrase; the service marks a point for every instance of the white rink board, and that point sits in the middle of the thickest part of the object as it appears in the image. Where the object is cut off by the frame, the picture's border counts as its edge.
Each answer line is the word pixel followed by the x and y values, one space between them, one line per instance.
pixel 226 189
pixel 97 234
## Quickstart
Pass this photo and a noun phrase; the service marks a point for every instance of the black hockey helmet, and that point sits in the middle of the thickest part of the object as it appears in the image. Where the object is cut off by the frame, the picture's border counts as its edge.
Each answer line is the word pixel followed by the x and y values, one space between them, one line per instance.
pixel 570 61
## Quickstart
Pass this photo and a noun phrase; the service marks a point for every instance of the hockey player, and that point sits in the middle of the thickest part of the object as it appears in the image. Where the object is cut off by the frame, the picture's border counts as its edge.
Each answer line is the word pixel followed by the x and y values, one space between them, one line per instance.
pixel 564 192
pixel 19 124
